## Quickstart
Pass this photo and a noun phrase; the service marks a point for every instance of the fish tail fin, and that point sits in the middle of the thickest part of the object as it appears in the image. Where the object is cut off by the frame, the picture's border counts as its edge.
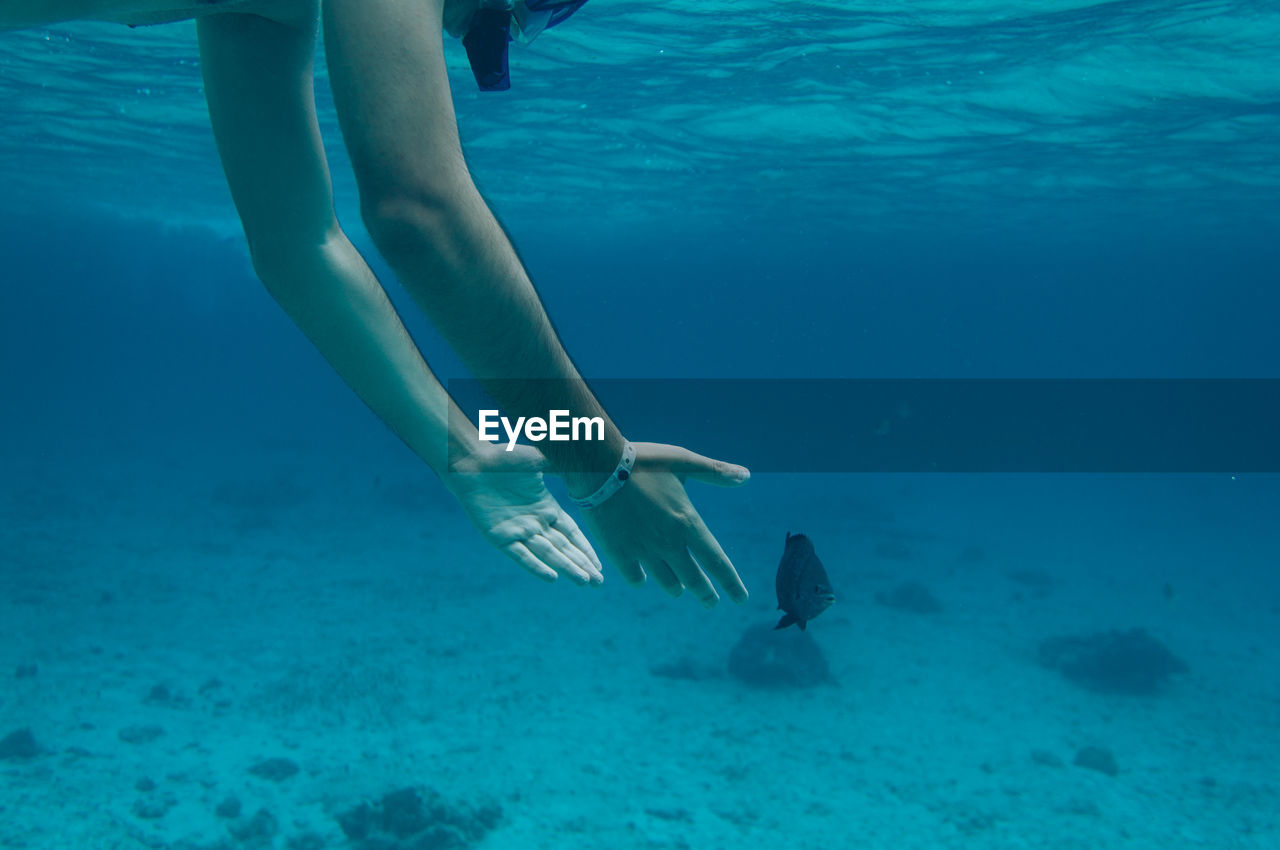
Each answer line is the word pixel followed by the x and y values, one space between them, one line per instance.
pixel 787 619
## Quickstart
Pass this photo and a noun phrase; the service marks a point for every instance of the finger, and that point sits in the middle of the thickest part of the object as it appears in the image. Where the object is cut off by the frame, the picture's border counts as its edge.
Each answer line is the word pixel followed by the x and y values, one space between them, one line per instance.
pixel 575 554
pixel 715 562
pixel 624 562
pixel 520 553
pixel 692 577
pixel 683 462
pixel 547 552
pixel 632 572
pixel 570 551
pixel 665 577
pixel 570 529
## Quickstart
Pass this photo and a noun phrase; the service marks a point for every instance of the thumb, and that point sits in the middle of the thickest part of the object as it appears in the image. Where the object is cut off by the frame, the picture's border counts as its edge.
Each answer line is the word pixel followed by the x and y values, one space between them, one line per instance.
pixel 685 463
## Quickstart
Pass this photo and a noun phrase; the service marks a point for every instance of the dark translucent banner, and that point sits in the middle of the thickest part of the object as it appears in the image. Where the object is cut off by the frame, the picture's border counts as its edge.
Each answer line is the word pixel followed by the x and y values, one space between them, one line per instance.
pixel 1050 426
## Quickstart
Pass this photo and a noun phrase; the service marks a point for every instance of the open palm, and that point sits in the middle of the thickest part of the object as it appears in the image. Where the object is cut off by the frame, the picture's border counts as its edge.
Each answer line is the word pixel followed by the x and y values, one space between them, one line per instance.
pixel 504 495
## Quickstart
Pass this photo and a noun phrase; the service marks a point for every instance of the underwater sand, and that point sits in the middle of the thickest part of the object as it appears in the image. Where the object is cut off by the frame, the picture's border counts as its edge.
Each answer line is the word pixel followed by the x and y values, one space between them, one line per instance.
pixel 288 606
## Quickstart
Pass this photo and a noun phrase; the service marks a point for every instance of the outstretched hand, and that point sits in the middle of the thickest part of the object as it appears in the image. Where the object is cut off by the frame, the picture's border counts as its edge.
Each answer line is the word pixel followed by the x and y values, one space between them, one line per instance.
pixel 504 495
pixel 651 525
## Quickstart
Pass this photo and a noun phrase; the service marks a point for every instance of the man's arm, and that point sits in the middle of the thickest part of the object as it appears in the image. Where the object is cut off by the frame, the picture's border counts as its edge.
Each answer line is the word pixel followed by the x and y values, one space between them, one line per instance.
pixel 258 84
pixel 386 66
pixel 387 69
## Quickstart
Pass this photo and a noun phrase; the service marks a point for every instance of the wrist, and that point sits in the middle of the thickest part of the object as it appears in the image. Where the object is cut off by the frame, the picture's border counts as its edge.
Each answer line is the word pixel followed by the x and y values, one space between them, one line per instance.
pixel 465 451
pixel 615 481
pixel 591 464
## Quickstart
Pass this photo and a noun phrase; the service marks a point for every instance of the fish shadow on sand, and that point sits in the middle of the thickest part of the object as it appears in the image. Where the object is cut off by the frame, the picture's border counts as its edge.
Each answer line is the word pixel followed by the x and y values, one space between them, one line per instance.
pixel 769 658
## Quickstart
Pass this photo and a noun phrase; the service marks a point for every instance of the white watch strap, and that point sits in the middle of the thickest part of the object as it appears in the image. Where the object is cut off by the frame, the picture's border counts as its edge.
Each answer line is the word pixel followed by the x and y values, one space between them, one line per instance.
pixel 614 482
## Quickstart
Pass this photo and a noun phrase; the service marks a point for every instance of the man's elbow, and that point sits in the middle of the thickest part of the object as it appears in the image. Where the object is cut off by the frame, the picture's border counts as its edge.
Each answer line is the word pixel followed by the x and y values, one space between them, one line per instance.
pixel 417 233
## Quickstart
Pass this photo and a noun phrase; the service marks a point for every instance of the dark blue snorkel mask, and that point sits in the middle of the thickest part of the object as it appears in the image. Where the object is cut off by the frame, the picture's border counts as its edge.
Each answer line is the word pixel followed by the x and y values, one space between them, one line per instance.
pixel 491 33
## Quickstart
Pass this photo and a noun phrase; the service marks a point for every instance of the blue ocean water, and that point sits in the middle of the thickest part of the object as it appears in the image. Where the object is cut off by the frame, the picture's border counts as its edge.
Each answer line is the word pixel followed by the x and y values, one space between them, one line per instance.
pixel 217 566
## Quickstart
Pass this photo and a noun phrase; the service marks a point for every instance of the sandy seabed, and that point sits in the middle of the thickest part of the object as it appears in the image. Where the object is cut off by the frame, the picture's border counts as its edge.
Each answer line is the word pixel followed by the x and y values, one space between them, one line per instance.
pixel 168 627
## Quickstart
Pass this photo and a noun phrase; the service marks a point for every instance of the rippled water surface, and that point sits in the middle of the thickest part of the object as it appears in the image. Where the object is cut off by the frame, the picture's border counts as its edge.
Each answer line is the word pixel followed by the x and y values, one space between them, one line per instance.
pixel 877 114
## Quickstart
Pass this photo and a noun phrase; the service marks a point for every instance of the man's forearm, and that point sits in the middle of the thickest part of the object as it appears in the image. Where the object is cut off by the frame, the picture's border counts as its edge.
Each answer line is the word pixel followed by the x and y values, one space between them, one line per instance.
pixel 340 306
pixel 258 84
pixel 468 279
pixel 390 85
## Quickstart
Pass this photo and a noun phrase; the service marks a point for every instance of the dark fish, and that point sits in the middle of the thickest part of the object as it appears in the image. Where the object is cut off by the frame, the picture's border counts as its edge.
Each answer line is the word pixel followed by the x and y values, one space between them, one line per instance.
pixel 804 591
